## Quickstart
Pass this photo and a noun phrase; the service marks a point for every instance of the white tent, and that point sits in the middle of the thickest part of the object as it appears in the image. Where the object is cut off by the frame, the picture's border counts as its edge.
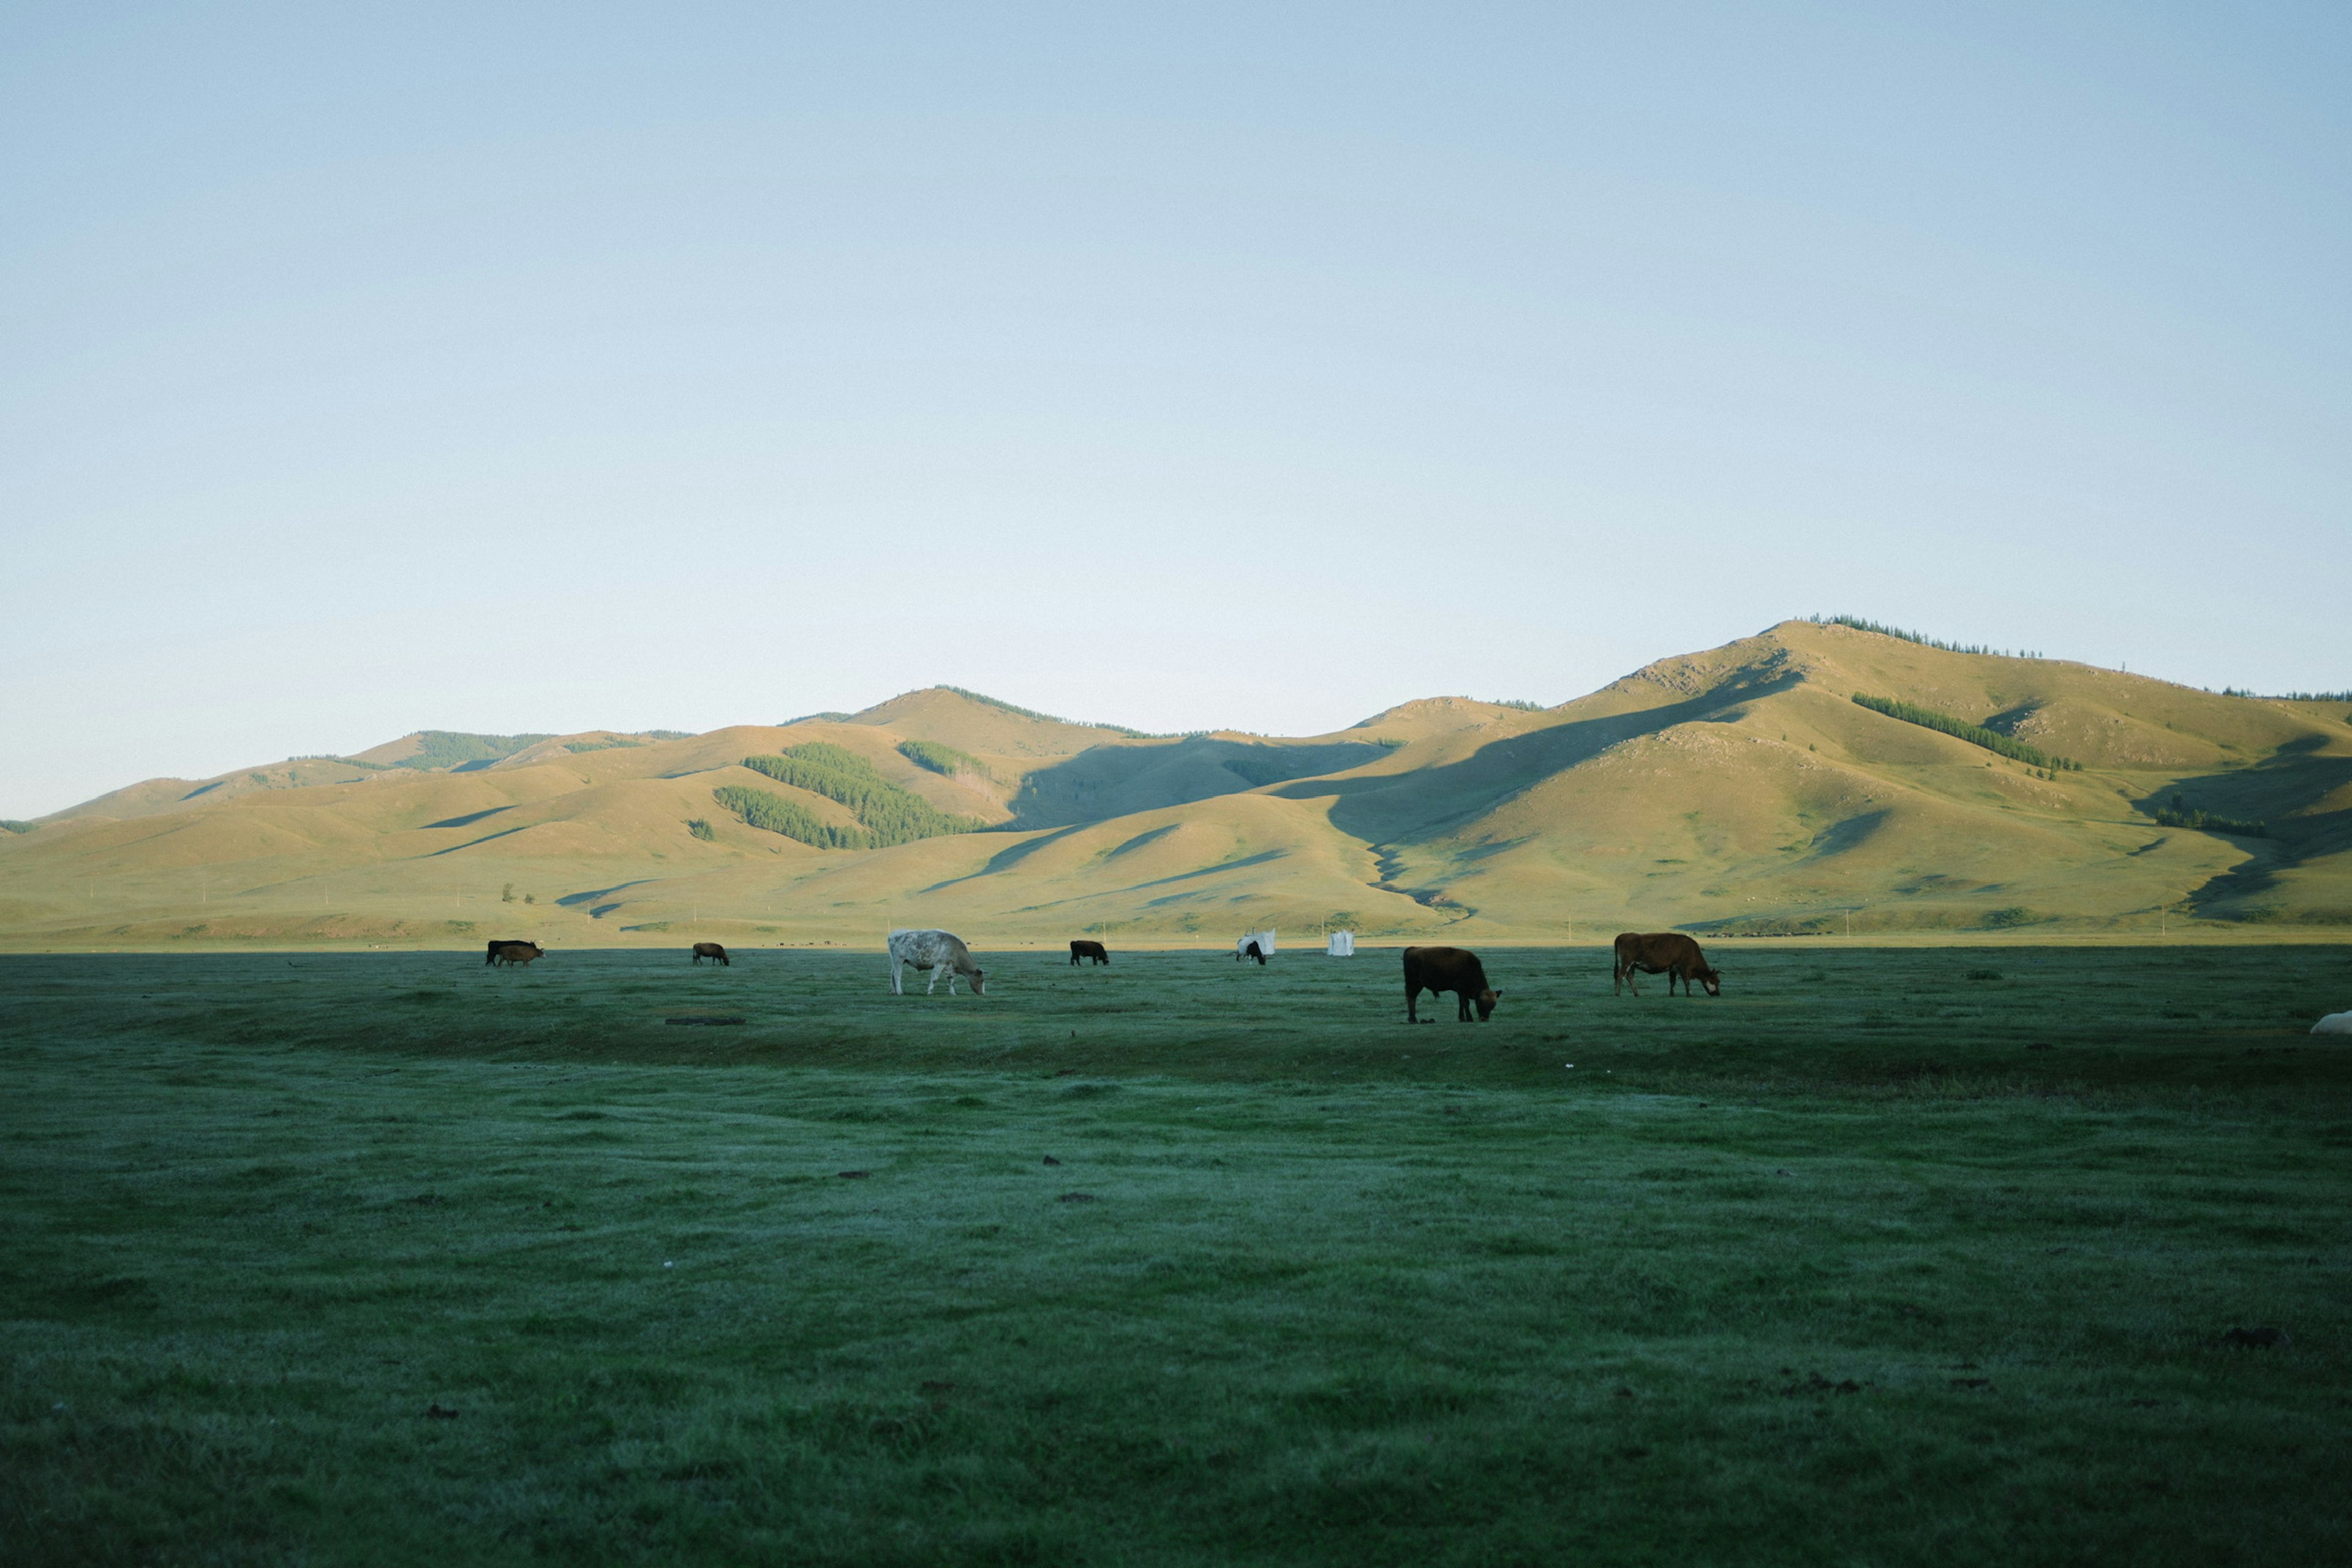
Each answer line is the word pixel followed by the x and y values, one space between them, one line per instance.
pixel 1342 945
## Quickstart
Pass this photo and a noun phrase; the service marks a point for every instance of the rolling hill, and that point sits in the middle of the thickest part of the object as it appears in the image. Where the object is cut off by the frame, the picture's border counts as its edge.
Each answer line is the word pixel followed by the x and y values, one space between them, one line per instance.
pixel 1742 791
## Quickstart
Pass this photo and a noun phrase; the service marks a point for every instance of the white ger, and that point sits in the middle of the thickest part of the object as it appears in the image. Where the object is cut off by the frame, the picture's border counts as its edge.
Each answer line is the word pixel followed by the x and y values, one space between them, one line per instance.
pixel 942 953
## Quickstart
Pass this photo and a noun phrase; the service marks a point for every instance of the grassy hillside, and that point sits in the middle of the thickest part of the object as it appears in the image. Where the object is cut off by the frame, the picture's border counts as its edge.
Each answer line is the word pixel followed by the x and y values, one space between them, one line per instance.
pixel 1741 791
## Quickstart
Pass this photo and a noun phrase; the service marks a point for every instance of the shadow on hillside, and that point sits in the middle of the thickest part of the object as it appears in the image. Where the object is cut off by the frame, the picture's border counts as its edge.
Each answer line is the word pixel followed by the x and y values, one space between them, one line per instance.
pixel 2279 791
pixel 1849 833
pixel 485 838
pixel 571 899
pixel 1405 808
pixel 1085 788
pixel 1006 859
pixel 466 821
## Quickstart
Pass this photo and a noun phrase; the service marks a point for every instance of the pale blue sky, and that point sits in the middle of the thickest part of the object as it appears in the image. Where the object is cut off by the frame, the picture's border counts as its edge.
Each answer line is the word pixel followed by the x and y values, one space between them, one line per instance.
pixel 366 369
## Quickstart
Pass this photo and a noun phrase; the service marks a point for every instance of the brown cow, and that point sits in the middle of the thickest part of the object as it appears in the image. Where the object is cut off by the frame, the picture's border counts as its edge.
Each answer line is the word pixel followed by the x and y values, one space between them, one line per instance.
pixel 1666 952
pixel 703 950
pixel 1438 970
pixel 1081 948
pixel 512 952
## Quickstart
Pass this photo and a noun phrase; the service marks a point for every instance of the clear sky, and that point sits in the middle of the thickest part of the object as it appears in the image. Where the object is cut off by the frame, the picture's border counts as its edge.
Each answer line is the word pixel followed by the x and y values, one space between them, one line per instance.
pixel 503 367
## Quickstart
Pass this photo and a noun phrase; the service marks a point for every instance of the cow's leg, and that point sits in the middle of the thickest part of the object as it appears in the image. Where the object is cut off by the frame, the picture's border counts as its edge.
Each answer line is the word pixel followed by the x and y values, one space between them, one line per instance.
pixel 1462 1005
pixel 897 974
pixel 1412 1000
pixel 934 980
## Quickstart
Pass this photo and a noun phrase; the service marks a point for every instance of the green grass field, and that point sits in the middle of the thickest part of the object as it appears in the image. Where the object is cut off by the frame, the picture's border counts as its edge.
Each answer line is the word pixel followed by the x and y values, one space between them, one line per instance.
pixel 393 1258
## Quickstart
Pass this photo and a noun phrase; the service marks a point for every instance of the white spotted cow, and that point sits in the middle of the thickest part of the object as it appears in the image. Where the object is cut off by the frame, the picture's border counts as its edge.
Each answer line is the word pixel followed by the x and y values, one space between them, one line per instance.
pixel 940 952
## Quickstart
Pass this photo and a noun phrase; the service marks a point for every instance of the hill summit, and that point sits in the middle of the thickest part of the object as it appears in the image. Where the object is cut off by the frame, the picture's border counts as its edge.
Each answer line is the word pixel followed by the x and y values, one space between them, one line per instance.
pixel 1817 778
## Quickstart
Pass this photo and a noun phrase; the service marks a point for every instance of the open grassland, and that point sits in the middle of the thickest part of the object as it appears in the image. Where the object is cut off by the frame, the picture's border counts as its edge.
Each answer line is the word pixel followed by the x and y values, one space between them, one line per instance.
pixel 390 1258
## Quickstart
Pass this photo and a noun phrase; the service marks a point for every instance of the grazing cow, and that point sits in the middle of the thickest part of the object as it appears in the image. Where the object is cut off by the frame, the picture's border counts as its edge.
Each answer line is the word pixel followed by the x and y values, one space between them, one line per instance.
pixel 1666 952
pixel 940 952
pixel 1438 970
pixel 1081 948
pixel 512 952
pixel 703 950
pixel 2334 1024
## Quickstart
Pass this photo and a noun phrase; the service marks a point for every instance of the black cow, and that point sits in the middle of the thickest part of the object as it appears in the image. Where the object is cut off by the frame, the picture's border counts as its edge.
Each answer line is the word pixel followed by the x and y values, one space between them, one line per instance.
pixel 1081 948
pixel 511 953
pixel 1248 949
pixel 1438 970
pixel 703 950
pixel 1666 952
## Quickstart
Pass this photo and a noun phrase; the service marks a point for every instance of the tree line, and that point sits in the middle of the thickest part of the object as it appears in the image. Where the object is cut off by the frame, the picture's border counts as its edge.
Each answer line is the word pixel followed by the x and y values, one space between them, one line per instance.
pixel 1961 730
pixel 1861 624
pixel 941 759
pixel 2180 814
pixel 888 814
pixel 765 809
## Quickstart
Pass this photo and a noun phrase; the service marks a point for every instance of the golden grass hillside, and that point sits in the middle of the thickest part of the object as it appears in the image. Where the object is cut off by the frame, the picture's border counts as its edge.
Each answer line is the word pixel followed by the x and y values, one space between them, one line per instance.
pixel 1739 791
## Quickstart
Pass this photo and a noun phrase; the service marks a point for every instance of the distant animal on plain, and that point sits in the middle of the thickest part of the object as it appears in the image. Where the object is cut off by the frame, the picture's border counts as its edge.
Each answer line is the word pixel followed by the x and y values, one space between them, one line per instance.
pixel 1438 970
pixel 1080 948
pixel 703 950
pixel 512 952
pixel 2334 1024
pixel 942 953
pixel 1258 944
pixel 1666 952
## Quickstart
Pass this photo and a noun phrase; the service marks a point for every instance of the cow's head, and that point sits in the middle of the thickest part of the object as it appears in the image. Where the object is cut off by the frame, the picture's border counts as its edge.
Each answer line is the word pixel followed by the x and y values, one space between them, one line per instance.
pixel 1486 1000
pixel 1711 980
pixel 979 986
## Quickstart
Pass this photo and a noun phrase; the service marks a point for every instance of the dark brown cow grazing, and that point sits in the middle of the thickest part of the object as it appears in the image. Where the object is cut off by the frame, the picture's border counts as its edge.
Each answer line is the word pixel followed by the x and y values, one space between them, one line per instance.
pixel 1438 970
pixel 1666 952
pixel 1080 948
pixel 511 953
pixel 703 950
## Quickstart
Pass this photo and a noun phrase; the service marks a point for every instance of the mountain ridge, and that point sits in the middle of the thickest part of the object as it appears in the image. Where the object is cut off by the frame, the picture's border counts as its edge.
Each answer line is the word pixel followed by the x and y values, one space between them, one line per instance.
pixel 1737 790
